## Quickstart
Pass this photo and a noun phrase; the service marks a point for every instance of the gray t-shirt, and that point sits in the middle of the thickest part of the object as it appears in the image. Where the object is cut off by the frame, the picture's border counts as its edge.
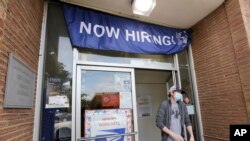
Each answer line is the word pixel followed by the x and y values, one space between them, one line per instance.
pixel 175 124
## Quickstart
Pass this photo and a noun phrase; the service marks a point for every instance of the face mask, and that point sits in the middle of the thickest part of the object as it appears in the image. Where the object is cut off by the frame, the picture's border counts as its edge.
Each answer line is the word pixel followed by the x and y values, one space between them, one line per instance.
pixel 178 96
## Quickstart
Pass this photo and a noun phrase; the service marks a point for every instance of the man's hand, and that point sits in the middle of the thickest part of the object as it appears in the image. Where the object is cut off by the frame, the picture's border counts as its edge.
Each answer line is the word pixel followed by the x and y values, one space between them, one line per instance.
pixel 191 138
pixel 190 131
pixel 176 137
pixel 173 135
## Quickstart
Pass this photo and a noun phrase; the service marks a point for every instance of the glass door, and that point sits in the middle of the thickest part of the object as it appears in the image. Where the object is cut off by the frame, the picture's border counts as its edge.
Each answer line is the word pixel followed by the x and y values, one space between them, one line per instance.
pixel 105 104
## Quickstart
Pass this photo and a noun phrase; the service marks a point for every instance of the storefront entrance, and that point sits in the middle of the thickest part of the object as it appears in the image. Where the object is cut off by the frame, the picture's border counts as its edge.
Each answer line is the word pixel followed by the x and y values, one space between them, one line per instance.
pixel 87 88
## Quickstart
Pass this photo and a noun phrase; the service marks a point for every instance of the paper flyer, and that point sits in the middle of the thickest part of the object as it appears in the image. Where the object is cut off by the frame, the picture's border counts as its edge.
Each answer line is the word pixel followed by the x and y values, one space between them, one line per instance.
pixel 109 121
pixel 144 104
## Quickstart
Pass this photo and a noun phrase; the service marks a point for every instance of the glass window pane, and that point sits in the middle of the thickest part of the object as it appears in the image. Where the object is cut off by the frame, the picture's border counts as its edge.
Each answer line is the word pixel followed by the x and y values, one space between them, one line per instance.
pixel 56 116
pixel 187 87
pixel 126 58
pixel 183 59
pixel 106 103
pixel 185 81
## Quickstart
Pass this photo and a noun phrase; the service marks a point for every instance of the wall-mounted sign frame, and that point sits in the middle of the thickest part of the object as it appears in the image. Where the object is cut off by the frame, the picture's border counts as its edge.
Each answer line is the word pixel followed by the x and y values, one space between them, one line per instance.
pixel 20 85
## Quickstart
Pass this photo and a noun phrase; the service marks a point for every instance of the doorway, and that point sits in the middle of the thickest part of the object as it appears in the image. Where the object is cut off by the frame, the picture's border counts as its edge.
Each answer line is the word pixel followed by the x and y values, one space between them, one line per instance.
pixel 151 90
pixel 119 103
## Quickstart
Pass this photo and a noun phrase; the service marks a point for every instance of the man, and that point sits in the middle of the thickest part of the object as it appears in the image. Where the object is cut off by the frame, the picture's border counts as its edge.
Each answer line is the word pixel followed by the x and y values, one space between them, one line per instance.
pixel 172 117
pixel 186 99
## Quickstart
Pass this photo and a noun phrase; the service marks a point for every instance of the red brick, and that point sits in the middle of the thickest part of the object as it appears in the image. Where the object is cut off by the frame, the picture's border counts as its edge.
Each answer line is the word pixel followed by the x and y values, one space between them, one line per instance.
pixel 20 27
pixel 221 59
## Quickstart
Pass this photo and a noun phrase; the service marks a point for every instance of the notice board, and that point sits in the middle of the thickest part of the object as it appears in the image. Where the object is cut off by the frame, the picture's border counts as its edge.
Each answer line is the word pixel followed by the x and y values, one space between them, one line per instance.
pixel 20 85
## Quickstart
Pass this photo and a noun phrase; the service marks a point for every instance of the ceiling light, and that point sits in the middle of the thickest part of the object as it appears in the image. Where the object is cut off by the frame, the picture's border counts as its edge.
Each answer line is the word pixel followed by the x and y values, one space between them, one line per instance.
pixel 143 7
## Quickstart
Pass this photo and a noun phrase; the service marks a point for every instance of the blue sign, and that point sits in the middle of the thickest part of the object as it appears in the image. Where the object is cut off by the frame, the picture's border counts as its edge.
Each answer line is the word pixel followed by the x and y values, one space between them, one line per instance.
pixel 97 30
pixel 119 131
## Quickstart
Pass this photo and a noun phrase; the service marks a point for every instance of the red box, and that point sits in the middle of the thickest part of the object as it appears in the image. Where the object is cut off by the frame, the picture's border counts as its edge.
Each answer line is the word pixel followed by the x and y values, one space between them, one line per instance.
pixel 110 100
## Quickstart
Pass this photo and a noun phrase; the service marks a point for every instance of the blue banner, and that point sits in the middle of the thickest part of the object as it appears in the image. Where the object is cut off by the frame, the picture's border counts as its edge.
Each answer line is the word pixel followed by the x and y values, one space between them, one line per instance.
pixel 97 30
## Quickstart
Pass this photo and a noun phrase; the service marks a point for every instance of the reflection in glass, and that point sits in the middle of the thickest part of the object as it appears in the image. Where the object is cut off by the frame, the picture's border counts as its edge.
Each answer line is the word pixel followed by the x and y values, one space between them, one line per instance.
pixel 56 115
pixel 94 82
pixel 186 82
pixel 108 94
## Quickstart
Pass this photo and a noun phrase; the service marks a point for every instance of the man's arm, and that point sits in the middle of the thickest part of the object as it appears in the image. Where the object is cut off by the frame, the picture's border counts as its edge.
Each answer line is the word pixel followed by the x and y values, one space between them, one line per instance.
pixel 190 132
pixel 188 124
pixel 172 134
pixel 160 116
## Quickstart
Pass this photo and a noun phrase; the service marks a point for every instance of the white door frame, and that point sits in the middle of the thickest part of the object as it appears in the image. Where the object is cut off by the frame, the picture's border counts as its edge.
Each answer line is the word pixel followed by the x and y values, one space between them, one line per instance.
pixel 77 97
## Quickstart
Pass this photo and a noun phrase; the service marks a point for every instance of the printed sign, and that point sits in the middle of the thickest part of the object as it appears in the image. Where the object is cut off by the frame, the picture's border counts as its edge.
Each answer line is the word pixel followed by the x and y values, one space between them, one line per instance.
pixel 97 30
pixel 20 85
pixel 144 106
pixel 190 109
pixel 55 98
pixel 123 82
pixel 125 100
pixel 108 122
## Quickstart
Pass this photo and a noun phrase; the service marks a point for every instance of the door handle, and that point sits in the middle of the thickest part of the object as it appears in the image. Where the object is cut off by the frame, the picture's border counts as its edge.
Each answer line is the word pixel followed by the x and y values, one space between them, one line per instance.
pixel 107 136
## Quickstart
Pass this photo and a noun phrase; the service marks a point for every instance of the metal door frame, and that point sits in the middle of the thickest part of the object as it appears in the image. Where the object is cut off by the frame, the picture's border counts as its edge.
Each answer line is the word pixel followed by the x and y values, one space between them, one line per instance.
pixel 83 64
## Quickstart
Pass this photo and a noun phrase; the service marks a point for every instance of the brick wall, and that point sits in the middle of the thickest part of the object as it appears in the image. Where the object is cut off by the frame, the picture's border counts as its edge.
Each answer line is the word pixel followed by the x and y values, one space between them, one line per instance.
pixel 220 50
pixel 20 27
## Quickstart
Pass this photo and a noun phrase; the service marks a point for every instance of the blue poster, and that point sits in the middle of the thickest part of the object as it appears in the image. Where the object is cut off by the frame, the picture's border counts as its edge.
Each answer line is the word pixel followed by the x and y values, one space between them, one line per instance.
pixel 97 30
